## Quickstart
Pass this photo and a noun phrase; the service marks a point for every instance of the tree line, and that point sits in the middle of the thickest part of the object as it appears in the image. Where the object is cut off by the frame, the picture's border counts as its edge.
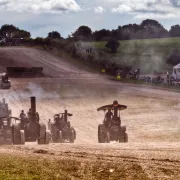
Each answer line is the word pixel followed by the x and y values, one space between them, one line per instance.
pixel 11 31
pixel 148 29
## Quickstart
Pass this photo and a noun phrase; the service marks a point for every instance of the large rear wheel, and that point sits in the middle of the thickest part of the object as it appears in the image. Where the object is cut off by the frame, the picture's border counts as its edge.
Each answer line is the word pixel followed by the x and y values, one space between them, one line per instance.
pixel 42 134
pixel 6 136
pixel 1 139
pixel 125 137
pixel 72 136
pixel 16 134
pixel 22 136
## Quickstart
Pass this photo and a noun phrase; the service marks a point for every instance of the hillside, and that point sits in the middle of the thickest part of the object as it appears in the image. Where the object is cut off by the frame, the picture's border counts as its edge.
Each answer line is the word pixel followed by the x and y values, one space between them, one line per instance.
pixel 148 54
pixel 52 63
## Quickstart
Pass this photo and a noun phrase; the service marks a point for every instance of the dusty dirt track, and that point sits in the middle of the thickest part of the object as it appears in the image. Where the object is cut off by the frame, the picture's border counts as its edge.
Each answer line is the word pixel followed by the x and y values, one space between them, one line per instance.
pixel 152 117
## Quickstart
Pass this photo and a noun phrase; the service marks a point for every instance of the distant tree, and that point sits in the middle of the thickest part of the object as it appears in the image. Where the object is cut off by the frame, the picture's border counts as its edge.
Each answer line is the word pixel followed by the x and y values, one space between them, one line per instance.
pixel 22 34
pixel 114 33
pixel 83 32
pixel 120 33
pixel 39 41
pixel 54 35
pixel 47 41
pixel 175 31
pixel 8 30
pixel 113 45
pixel 153 29
pixel 102 34
pixel 150 23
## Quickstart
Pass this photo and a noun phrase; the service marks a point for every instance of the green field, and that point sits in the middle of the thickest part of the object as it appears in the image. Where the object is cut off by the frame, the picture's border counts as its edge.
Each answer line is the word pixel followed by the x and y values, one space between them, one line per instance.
pixel 148 54
pixel 29 167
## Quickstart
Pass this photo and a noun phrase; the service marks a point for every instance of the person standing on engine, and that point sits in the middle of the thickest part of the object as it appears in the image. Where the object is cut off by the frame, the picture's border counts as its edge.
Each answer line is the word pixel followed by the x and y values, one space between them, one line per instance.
pixel 29 113
pixel 57 120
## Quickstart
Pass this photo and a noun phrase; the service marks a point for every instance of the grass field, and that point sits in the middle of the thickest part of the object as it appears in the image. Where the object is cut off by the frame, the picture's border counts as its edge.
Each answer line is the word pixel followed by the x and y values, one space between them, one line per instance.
pixel 148 54
pixel 38 167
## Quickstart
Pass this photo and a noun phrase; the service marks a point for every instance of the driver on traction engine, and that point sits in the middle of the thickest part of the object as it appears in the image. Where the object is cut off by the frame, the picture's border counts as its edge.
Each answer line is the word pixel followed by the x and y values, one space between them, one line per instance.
pixel 108 117
pixel 115 117
pixel 56 119
pixel 22 115
pixel 59 121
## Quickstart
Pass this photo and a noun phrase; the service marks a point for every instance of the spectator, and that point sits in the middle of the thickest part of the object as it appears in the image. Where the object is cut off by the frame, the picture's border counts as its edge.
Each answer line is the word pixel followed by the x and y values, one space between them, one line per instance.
pixel 168 78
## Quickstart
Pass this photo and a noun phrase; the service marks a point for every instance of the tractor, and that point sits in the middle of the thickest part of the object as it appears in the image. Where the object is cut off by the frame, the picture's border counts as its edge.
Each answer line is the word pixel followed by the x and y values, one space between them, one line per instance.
pixel 5 123
pixel 5 83
pixel 61 129
pixel 111 129
pixel 29 129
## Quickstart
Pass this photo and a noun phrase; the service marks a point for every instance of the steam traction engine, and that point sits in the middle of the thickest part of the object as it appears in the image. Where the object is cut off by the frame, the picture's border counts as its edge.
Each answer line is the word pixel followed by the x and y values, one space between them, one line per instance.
pixel 61 129
pixel 29 129
pixel 111 129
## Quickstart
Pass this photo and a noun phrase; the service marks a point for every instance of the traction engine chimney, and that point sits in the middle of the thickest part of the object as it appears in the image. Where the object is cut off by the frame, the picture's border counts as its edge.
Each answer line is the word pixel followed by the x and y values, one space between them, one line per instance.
pixel 33 108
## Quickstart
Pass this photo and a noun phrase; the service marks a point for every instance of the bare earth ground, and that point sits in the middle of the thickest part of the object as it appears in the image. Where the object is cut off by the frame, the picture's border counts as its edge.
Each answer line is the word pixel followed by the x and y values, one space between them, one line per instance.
pixel 152 118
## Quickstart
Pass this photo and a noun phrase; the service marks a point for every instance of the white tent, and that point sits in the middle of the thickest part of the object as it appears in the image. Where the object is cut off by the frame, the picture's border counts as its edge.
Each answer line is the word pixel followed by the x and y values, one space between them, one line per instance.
pixel 176 72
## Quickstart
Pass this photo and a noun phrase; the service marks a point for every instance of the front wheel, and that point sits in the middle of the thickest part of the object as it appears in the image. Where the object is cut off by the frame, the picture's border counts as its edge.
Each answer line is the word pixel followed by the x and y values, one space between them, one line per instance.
pixel 42 134
pixel 107 137
pixel 59 136
pixel 48 137
pixel 125 137
pixel 101 133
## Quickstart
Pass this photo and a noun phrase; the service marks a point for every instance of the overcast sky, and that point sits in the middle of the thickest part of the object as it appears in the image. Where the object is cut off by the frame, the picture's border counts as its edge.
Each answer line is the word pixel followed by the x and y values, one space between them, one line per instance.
pixel 41 16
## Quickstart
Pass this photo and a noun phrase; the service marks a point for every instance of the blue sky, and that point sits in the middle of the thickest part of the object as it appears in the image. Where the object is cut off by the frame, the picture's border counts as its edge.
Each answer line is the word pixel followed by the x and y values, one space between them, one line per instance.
pixel 41 16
